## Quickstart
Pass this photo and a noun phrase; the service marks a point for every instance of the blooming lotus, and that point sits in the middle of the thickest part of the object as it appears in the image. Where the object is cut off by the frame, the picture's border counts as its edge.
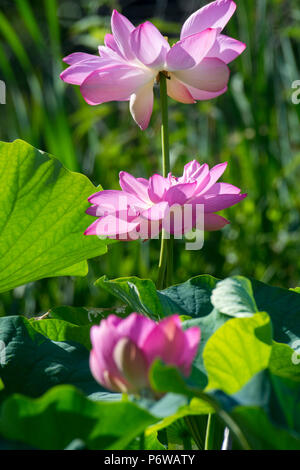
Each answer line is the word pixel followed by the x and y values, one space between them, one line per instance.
pixel 124 349
pixel 142 208
pixel 132 58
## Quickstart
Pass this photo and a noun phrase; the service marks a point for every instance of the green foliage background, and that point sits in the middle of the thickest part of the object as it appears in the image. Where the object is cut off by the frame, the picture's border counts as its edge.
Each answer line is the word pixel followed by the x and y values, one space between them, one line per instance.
pixel 255 126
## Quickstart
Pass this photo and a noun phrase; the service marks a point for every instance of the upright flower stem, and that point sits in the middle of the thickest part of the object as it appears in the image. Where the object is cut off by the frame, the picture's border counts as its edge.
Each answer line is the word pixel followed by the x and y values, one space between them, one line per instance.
pixel 166 252
pixel 209 437
pixel 164 125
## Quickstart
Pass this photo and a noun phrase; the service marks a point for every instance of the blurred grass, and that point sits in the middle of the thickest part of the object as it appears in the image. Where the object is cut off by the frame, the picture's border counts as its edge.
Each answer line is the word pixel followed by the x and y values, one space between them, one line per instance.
pixel 254 126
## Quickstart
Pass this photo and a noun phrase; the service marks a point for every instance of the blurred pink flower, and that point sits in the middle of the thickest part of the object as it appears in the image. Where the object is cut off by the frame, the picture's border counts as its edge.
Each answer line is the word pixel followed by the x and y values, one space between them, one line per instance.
pixel 132 58
pixel 124 349
pixel 144 207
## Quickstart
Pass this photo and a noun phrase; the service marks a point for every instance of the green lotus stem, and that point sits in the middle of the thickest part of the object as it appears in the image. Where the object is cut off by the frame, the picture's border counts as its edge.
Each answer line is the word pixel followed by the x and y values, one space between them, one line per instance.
pixel 162 262
pixel 209 437
pixel 164 125
pixel 166 251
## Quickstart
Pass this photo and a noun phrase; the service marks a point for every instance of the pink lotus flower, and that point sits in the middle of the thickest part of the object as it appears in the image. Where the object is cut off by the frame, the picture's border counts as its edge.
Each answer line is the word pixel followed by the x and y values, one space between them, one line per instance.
pixel 124 349
pixel 144 207
pixel 132 58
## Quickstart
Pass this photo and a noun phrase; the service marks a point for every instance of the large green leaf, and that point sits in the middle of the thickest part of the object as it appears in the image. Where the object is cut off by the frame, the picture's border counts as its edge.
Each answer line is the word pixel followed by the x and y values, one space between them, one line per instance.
pixel 43 218
pixel 34 363
pixel 64 414
pixel 237 351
